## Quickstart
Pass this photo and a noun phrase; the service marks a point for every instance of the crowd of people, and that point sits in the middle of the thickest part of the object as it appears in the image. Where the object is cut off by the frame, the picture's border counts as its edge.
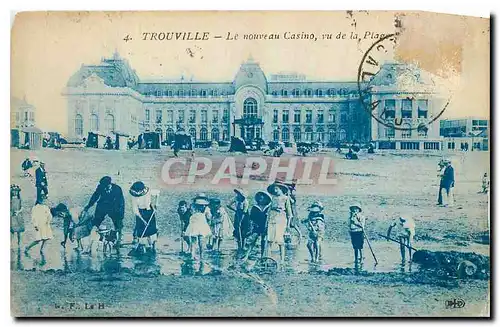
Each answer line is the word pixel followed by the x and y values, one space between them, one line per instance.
pixel 268 216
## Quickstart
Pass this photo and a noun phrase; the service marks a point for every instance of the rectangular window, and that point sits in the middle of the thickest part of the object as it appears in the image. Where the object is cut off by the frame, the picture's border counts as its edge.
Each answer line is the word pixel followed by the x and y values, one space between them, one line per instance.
pixel 321 117
pixel 25 116
pixel 286 117
pixel 431 145
pixel 148 115
pixel 204 116
pixel 309 116
pixel 159 116
pixel 343 117
pixel 225 116
pixel 181 116
pixel 192 116
pixel 215 116
pixel 275 116
pixel 32 116
pixel 296 116
pixel 203 93
pixel 406 114
pixel 331 117
pixel 170 116
pixel 406 104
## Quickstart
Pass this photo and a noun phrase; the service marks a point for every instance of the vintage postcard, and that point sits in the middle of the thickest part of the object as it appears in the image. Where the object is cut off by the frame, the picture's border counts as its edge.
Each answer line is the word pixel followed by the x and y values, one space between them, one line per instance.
pixel 250 164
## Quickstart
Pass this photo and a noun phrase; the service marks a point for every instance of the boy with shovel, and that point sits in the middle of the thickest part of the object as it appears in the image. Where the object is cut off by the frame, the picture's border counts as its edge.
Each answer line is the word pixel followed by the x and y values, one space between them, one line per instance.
pixel 356 229
pixel 405 227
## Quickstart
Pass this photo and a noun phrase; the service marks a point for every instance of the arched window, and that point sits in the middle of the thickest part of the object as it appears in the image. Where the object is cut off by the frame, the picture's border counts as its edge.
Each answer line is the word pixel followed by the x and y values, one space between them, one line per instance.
pixel 170 93
pixel 297 134
pixel 331 92
pixel 250 108
pixel 422 130
pixel 203 134
pixel 406 132
pixel 192 132
pixel 309 134
pixel 389 131
pixel 285 134
pixel 215 134
pixel 296 92
pixel 319 92
pixel 94 123
pixel 321 134
pixel 276 135
pixel 109 123
pixel 284 93
pixel 308 93
pixel 214 93
pixel 169 135
pixel 342 135
pixel 193 92
pixel 332 135
pixel 78 125
pixel 181 93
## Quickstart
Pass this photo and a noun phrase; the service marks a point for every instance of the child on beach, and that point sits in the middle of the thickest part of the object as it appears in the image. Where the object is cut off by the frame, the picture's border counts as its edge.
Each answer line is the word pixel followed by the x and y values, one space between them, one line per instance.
pixel 198 227
pixel 258 221
pixel 405 231
pixel 16 213
pixel 316 225
pixel 184 213
pixel 220 223
pixel 485 183
pixel 240 207
pixel 357 231
pixel 41 218
pixel 279 212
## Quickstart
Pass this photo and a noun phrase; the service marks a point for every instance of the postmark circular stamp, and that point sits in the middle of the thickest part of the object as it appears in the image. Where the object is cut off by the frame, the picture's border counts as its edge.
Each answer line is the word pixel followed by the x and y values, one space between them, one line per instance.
pixel 379 74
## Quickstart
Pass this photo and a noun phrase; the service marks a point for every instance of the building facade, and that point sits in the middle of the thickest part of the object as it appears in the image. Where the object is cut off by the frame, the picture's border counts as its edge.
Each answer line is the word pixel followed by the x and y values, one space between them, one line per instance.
pixel 470 133
pixel 22 114
pixel 284 107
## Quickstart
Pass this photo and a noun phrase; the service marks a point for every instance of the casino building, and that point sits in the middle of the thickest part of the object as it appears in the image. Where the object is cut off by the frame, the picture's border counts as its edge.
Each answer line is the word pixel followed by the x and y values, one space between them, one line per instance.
pixel 283 107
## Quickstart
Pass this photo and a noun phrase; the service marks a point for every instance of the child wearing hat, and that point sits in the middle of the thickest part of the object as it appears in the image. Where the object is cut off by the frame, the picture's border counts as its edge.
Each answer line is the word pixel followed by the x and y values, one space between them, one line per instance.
pixel 258 218
pixel 240 208
pixel 356 230
pixel 198 227
pixel 145 214
pixel 405 231
pixel 279 213
pixel 220 223
pixel 16 213
pixel 316 225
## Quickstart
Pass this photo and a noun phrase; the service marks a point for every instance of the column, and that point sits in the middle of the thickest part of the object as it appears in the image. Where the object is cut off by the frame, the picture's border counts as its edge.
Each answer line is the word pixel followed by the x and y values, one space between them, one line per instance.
pixel 397 132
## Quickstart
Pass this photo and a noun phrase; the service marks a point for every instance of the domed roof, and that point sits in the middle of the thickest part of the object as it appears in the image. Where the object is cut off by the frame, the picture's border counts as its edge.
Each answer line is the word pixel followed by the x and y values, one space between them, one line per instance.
pixel 250 73
pixel 115 72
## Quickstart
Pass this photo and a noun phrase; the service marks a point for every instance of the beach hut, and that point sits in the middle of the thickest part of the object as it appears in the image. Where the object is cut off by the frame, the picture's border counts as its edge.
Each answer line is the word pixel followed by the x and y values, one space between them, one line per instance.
pixel 31 138
pixel 95 140
pixel 120 140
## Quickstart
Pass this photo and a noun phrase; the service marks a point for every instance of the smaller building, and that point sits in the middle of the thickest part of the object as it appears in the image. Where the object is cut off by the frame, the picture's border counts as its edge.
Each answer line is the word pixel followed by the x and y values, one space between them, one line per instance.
pixel 465 134
pixel 22 114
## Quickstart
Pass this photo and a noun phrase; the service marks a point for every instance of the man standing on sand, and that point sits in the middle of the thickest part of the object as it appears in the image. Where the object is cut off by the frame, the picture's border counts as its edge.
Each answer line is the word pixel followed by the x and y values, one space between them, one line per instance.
pixel 42 186
pixel 448 183
pixel 110 202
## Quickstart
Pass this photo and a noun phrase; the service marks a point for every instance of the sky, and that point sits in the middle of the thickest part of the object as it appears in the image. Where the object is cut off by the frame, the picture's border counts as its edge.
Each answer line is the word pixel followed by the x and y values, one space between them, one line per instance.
pixel 48 47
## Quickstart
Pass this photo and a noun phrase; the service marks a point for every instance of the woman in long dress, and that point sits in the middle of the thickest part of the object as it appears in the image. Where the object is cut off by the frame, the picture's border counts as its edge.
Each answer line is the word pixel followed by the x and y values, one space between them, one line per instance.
pixel 279 212
pixel 41 218
pixel 16 213
pixel 145 215
pixel 198 227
